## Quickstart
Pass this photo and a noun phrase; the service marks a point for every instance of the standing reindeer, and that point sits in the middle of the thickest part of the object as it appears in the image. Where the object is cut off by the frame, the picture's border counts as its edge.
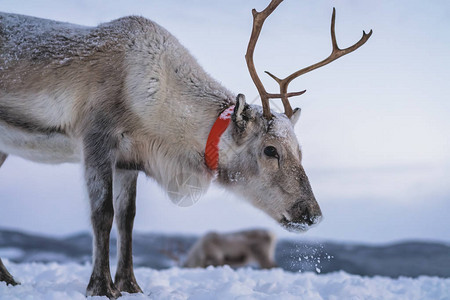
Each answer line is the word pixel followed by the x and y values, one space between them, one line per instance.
pixel 125 97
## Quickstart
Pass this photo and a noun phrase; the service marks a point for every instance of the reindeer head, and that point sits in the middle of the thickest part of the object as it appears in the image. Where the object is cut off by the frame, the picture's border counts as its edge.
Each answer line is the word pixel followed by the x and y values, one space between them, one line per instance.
pixel 262 157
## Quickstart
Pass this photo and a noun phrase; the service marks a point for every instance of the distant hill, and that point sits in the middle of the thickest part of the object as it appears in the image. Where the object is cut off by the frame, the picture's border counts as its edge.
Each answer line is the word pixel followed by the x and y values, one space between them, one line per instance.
pixel 159 251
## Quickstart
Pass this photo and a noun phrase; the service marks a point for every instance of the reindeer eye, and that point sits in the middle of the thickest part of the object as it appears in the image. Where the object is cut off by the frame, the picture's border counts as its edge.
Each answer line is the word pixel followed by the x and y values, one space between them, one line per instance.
pixel 271 151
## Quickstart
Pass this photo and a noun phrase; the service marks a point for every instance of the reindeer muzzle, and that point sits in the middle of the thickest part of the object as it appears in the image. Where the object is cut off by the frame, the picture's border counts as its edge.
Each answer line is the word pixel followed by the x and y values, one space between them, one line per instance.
pixel 302 216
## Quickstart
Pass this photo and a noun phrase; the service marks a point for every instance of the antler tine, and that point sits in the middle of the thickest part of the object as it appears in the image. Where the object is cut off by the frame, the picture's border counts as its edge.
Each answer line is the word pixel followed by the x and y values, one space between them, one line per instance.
pixel 335 54
pixel 258 21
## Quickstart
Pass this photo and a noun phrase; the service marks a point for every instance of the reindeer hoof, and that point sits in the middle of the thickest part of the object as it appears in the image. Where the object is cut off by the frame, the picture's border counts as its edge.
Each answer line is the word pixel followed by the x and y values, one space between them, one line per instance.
pixel 128 285
pixel 9 280
pixel 102 288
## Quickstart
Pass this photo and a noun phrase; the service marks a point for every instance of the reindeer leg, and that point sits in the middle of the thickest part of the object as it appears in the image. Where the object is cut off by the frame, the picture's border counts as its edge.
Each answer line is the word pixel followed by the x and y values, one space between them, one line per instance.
pixel 125 209
pixel 5 276
pixel 3 157
pixel 98 174
pixel 262 255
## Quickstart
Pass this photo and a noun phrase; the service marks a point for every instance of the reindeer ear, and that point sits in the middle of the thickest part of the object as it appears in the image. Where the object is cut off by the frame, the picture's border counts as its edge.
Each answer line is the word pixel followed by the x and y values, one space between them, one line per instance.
pixel 295 116
pixel 239 115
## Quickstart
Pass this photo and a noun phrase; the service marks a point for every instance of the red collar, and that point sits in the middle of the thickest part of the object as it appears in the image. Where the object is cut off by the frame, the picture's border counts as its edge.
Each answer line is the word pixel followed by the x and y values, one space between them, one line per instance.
pixel 212 144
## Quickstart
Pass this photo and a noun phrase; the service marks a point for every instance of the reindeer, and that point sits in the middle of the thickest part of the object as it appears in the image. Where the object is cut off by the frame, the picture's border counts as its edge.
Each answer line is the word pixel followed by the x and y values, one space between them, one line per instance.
pixel 235 249
pixel 125 97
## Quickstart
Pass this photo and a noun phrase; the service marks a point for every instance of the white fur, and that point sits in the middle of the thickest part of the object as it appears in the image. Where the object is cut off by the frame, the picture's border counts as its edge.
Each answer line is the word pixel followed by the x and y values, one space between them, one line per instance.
pixel 51 148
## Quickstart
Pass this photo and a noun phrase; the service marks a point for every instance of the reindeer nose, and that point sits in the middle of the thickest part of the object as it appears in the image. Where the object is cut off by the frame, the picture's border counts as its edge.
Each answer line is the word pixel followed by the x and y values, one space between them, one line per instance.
pixel 305 212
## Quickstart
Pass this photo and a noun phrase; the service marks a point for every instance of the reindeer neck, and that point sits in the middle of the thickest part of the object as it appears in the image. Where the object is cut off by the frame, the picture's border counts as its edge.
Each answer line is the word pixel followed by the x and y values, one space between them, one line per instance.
pixel 203 100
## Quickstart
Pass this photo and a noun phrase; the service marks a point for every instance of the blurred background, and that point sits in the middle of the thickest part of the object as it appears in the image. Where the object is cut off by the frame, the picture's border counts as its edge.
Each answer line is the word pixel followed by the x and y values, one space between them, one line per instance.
pixel 374 128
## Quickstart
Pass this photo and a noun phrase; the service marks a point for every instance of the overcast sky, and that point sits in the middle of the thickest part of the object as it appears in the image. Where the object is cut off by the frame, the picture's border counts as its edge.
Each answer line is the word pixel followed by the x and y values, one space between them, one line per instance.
pixel 374 128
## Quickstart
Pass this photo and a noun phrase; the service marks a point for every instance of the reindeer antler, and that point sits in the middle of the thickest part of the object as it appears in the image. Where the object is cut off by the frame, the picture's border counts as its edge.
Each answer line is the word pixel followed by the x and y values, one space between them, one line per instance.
pixel 258 21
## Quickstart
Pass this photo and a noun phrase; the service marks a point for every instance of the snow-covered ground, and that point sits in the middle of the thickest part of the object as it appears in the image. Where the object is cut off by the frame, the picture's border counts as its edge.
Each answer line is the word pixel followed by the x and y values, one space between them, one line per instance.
pixel 68 281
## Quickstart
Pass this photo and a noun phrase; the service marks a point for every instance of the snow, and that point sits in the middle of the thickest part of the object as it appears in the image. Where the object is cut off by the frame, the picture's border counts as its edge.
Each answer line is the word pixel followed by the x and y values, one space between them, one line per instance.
pixel 69 280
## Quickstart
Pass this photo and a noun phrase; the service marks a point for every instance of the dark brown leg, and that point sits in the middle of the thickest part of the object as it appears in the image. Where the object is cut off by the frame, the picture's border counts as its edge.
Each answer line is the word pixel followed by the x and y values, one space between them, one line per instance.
pixel 4 274
pixel 125 210
pixel 98 174
pixel 3 157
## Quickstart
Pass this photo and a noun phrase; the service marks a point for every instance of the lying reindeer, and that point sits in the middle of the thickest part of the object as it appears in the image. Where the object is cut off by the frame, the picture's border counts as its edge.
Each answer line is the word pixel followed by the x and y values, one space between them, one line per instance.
pixel 125 97
pixel 235 249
